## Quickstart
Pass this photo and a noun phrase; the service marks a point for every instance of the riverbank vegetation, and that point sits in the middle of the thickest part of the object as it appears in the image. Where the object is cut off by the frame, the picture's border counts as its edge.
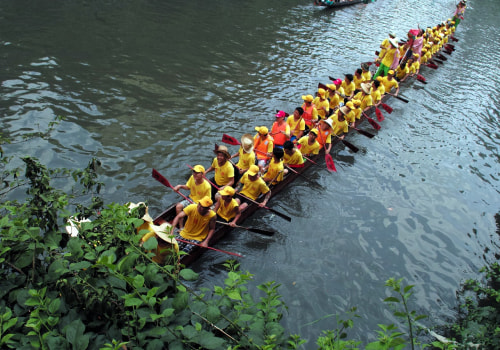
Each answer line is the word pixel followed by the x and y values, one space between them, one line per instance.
pixel 101 290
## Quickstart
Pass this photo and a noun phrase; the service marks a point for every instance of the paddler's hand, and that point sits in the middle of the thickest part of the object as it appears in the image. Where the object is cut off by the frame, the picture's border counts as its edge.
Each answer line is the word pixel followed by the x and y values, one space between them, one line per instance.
pixel 232 224
pixel 204 243
pixel 262 204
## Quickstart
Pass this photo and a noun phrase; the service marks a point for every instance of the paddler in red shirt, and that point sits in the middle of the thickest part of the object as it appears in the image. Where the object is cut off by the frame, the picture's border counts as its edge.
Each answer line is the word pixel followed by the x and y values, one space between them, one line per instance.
pixel 280 130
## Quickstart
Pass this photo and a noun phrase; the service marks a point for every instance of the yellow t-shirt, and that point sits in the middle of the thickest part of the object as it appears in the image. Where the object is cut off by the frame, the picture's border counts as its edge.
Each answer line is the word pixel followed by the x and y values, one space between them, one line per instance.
pixel 389 56
pixel 367 76
pixel 414 67
pixel 357 112
pixel 357 81
pixel 389 84
pixel 273 170
pixel 307 148
pixel 294 159
pixel 294 129
pixel 227 211
pixel 320 105
pixel 245 160
pixel 196 226
pixel 198 191
pixel 401 73
pixel 348 88
pixel 253 189
pixel 223 173
pixel 334 101
pixel 338 126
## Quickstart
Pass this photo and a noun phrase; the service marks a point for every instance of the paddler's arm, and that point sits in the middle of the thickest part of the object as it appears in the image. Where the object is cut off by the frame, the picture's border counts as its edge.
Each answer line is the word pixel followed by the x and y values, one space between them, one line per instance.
pixel 328 148
pixel 237 215
pixel 177 218
pixel 178 187
pixel 237 154
pixel 211 230
pixel 266 199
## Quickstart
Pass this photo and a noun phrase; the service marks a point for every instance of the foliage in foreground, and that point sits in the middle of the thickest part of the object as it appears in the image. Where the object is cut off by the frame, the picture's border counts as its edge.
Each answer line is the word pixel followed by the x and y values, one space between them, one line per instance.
pixel 101 290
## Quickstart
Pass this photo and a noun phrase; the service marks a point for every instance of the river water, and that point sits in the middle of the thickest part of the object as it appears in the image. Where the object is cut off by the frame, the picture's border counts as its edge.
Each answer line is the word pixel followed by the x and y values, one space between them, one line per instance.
pixel 146 84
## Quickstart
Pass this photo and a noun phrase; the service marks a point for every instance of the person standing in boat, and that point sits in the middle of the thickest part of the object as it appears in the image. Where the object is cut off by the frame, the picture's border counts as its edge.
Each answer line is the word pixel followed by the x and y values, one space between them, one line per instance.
pixel 390 57
pixel 308 145
pixel 280 130
pixel 263 143
pixel 322 104
pixel 310 112
pixel 228 207
pixel 200 224
pixel 384 46
pixel 252 186
pixel 246 156
pixel 292 156
pixel 198 187
pixel 297 124
pixel 224 170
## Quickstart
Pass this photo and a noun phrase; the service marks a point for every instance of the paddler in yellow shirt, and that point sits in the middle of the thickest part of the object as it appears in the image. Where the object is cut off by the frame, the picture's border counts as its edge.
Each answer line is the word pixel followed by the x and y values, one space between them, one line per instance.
pixel 339 124
pixel 367 75
pixel 365 98
pixel 322 104
pixel 292 156
pixel 224 170
pixel 273 173
pixel 297 124
pixel 308 145
pixel 333 97
pixel 198 187
pixel 348 86
pixel 252 186
pixel 228 207
pixel 390 83
pixel 200 224
pixel 246 156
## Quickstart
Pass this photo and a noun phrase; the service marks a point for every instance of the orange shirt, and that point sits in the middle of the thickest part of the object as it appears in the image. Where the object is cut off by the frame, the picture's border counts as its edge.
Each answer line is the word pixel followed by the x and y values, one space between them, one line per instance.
pixel 279 138
pixel 263 146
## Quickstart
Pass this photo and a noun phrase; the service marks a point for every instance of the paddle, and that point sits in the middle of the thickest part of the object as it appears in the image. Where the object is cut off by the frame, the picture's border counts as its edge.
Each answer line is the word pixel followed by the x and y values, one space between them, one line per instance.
pixel 421 78
pixel 330 165
pixel 286 217
pixel 387 108
pixel 348 144
pixel 364 133
pixel 378 113
pixel 217 250
pixel 431 65
pixel 322 86
pixel 300 174
pixel 399 97
pixel 230 140
pixel 160 178
pixel 441 57
pixel 252 229
pixel 372 122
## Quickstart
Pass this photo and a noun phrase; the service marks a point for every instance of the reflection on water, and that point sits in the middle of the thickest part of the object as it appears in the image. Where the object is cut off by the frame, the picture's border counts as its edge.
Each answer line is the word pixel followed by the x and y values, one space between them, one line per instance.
pixel 155 84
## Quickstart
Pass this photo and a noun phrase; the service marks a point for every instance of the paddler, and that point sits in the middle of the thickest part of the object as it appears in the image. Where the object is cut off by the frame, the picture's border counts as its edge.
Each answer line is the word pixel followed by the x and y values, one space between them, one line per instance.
pixel 246 156
pixel 414 64
pixel 273 173
pixel 351 116
pixel 224 170
pixel 333 97
pixel 339 124
pixel 324 137
pixel 293 156
pixel 367 75
pixel 200 224
pixel 357 108
pixel 358 79
pixel 322 104
pixel 310 112
pixel 297 124
pixel 308 145
pixel 263 145
pixel 280 130
pixel 402 71
pixel 390 83
pixel 198 187
pixel 228 207
pixel 365 98
pixel 252 186
pixel 376 92
pixel 348 86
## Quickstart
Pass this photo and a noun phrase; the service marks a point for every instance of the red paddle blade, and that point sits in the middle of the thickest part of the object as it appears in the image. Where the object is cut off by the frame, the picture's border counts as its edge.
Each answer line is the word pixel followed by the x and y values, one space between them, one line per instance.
pixel 373 123
pixel 432 65
pixel 420 77
pixel 230 140
pixel 160 178
pixel 330 165
pixel 387 108
pixel 378 113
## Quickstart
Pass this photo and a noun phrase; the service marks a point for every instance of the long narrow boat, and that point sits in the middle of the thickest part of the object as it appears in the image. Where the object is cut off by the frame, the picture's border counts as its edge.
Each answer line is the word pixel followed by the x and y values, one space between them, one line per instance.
pixel 338 3
pixel 169 214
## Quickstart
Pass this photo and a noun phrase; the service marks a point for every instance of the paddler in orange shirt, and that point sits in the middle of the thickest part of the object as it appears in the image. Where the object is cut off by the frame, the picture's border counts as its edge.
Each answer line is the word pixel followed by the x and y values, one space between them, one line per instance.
pixel 280 130
pixel 310 112
pixel 324 137
pixel 263 145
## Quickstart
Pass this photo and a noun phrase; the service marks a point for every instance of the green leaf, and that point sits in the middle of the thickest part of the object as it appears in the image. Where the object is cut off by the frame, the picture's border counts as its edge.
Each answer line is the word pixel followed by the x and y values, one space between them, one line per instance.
pixel 189 332
pixel 138 281
pixel 407 288
pixel 234 294
pixel 213 313
pixel 82 265
pixel 54 306
pixel 391 300
pixel 74 330
pixel 209 341
pixel 133 302
pixel 188 274
pixel 150 244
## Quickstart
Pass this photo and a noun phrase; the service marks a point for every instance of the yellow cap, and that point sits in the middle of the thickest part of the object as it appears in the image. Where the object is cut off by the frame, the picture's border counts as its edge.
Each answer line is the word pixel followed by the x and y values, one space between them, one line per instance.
pixel 262 130
pixel 314 131
pixel 205 202
pixel 227 191
pixel 253 170
pixel 199 168
pixel 308 98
